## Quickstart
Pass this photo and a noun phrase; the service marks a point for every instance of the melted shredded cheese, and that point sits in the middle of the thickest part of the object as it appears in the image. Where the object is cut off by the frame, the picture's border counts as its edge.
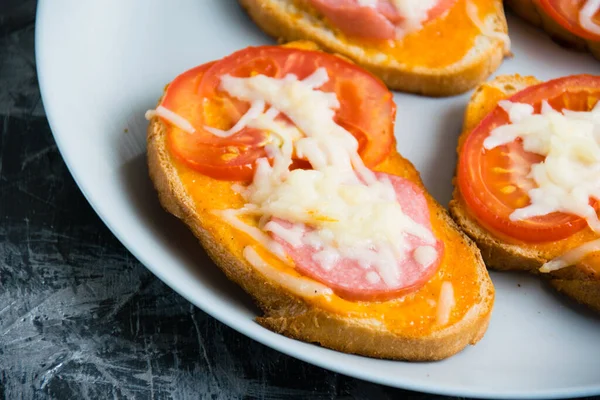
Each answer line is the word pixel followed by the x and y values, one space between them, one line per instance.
pixel 339 208
pixel 414 13
pixel 231 217
pixel 172 117
pixel 571 257
pixel 586 16
pixel 445 304
pixel 570 173
pixel 298 285
pixel 367 3
pixel 425 255
pixel 473 13
pixel 253 112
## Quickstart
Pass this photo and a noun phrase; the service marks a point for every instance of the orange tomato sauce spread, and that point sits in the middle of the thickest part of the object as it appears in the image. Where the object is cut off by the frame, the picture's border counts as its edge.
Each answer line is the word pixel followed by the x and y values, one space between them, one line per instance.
pixel 413 314
pixel 441 42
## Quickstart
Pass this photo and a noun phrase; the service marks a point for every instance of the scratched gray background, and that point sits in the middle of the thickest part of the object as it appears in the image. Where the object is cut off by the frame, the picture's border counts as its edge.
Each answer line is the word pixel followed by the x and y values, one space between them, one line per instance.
pixel 79 316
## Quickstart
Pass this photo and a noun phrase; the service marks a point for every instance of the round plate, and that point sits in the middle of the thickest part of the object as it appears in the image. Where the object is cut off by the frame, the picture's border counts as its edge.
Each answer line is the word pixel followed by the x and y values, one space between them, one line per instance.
pixel 101 64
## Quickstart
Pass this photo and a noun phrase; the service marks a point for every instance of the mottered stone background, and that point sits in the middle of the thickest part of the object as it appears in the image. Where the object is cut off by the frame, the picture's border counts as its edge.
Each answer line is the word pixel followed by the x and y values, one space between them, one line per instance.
pixel 79 316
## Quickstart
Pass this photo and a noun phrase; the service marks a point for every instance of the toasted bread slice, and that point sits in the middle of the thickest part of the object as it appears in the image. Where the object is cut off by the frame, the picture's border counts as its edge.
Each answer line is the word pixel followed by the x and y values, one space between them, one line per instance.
pixel 405 328
pixel 447 57
pixel 532 12
pixel 582 281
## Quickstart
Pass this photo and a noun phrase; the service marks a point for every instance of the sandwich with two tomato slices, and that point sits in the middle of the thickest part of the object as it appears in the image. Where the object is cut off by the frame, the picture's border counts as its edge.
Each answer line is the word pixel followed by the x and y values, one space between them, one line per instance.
pixel 430 47
pixel 282 161
pixel 573 23
pixel 528 179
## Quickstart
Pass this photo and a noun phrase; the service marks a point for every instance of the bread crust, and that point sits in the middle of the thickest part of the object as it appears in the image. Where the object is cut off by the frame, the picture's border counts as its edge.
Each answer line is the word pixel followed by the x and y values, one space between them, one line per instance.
pixel 435 82
pixel 532 12
pixel 292 316
pixel 497 254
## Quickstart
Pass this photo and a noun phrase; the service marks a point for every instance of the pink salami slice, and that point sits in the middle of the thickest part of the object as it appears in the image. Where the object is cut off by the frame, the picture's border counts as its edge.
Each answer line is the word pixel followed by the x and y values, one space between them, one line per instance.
pixel 355 20
pixel 352 281
pixel 378 23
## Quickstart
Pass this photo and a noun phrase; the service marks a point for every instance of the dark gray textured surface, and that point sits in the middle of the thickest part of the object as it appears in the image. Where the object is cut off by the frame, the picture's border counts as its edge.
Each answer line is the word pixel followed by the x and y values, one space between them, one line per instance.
pixel 79 316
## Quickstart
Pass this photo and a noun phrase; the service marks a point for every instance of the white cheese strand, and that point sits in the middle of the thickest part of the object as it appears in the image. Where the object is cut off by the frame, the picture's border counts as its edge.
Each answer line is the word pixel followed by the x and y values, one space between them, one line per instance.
pixel 231 217
pixel 254 111
pixel 298 285
pixel 316 79
pixel 414 13
pixel 425 255
pixel 571 257
pixel 367 3
pixel 293 236
pixel 446 303
pixel 586 16
pixel 473 13
pixel 570 173
pixel 172 117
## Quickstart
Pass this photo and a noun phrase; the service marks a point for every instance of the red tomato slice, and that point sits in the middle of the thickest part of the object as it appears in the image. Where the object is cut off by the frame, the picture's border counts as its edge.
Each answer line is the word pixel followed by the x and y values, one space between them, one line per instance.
pixel 216 157
pixel 566 13
pixel 366 108
pixel 494 182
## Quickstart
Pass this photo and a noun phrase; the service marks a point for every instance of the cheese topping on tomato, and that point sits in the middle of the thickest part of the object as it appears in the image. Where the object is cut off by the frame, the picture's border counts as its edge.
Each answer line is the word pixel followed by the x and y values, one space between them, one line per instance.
pixel 569 176
pixel 340 208
pixel 172 117
pixel 586 16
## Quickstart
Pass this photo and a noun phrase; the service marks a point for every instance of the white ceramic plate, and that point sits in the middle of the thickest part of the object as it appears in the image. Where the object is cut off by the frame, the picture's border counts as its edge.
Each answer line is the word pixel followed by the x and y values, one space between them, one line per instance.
pixel 101 64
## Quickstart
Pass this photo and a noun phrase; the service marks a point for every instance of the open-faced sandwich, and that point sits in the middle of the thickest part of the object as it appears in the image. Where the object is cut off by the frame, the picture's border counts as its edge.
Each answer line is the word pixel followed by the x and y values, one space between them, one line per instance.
pixel 282 161
pixel 430 47
pixel 528 179
pixel 572 23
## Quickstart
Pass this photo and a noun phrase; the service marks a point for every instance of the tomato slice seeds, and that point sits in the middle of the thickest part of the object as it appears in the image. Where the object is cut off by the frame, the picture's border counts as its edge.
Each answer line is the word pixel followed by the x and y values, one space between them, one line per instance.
pixel 366 109
pixel 493 183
